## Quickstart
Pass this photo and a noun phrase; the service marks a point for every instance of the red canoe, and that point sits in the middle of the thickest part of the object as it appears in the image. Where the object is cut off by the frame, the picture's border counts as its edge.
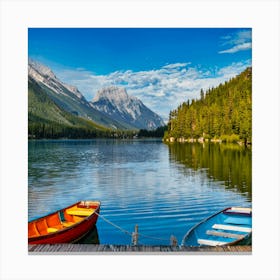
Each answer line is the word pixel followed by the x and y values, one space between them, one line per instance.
pixel 66 225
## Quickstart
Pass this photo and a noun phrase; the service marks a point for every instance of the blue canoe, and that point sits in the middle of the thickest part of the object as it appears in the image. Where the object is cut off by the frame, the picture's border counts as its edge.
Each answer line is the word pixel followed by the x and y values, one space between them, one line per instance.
pixel 231 226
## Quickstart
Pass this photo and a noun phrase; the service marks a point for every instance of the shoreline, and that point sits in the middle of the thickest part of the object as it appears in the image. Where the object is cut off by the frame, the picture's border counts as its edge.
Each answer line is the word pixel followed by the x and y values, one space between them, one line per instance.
pixel 202 140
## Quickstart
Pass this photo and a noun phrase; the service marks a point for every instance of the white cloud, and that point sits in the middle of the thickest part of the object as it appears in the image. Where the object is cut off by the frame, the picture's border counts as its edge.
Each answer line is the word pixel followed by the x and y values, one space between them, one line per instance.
pixel 160 89
pixel 239 41
pixel 233 69
pixel 237 48
pixel 175 65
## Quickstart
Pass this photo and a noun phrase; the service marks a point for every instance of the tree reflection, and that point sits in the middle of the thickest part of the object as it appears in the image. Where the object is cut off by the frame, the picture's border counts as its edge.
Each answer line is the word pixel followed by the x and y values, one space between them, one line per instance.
pixel 228 163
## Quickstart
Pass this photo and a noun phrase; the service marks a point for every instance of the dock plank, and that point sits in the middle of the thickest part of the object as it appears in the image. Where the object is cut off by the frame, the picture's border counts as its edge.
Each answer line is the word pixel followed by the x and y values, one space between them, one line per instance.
pixel 93 248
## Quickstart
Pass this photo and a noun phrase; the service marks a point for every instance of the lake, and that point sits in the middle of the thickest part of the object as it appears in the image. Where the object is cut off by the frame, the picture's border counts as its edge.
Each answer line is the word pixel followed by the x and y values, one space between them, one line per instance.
pixel 164 189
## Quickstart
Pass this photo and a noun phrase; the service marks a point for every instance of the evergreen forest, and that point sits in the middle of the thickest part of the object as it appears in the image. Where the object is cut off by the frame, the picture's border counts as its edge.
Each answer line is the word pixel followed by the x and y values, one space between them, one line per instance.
pixel 223 113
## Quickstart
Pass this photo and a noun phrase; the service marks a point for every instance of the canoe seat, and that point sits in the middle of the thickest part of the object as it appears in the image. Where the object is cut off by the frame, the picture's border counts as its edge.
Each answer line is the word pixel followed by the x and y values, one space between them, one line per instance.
pixel 50 229
pixel 210 242
pixel 241 210
pixel 80 212
pixel 224 234
pixel 233 228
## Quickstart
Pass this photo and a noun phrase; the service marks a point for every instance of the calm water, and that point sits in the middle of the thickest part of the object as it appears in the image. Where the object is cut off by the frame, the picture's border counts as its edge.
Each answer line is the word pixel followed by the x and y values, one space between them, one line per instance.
pixel 165 189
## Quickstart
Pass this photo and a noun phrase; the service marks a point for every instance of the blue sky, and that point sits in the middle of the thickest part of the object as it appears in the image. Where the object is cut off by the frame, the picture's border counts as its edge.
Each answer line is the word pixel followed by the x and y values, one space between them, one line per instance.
pixel 161 66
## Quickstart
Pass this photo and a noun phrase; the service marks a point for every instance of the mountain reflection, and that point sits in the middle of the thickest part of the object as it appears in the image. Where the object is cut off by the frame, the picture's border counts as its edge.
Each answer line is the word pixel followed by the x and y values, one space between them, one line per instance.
pixel 228 163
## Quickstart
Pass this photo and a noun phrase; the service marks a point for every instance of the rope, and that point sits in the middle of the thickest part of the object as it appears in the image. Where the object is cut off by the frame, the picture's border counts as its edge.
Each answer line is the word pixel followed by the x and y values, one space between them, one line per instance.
pixel 114 225
pixel 128 232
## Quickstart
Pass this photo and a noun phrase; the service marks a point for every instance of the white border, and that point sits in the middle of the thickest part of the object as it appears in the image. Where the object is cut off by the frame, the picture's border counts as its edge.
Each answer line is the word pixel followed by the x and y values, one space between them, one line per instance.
pixel 17 16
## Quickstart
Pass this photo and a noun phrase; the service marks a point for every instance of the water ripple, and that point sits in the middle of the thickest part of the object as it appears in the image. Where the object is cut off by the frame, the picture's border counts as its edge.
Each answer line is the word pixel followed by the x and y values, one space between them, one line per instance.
pixel 138 182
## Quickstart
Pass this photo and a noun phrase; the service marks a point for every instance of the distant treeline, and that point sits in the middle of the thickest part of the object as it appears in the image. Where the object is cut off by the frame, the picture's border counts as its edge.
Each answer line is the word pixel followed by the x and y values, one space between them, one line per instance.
pixel 37 130
pixel 53 130
pixel 224 113
pixel 41 128
pixel 158 133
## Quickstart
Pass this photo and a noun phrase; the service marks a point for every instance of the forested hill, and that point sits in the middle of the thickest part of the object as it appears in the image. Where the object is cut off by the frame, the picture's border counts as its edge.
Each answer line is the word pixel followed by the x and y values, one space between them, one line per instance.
pixel 47 120
pixel 223 113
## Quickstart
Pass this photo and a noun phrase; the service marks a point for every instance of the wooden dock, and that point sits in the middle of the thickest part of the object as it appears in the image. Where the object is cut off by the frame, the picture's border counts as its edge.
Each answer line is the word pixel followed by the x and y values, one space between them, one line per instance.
pixel 139 249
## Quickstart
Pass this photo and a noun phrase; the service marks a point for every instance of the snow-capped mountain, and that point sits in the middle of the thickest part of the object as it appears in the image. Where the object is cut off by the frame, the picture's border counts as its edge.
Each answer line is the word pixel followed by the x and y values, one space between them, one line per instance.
pixel 68 97
pixel 117 104
pixel 44 75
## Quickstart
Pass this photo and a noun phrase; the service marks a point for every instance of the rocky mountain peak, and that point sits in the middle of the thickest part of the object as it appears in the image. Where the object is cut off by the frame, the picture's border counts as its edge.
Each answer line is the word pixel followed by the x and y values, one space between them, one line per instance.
pixel 44 75
pixel 40 69
pixel 113 94
pixel 116 103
